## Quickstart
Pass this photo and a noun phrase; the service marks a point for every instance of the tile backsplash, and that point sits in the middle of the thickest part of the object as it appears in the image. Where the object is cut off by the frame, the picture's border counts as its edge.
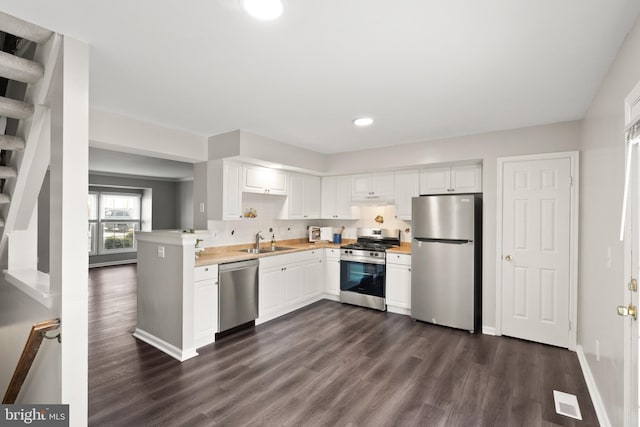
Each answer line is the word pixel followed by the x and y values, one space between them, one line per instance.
pixel 222 233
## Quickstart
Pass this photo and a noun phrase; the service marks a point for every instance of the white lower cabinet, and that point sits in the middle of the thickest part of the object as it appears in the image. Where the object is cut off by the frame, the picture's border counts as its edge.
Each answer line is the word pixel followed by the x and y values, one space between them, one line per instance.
pixel 205 302
pixel 332 272
pixel 288 282
pixel 292 281
pixel 270 290
pixel 398 283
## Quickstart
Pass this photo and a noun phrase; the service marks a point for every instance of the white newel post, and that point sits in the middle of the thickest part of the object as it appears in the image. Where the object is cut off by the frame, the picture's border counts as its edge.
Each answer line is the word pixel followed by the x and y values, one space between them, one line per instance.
pixel 68 244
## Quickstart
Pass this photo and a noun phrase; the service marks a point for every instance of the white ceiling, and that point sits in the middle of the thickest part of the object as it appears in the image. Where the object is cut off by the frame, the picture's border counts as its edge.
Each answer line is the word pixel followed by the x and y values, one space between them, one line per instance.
pixel 424 69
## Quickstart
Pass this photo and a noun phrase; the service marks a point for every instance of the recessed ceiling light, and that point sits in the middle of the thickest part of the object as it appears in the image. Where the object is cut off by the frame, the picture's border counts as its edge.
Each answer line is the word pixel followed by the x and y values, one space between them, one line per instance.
pixel 363 121
pixel 263 9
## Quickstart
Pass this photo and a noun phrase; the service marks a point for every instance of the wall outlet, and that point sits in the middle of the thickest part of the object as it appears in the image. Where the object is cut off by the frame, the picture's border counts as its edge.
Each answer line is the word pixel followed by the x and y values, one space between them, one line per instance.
pixel 598 350
pixel 201 207
pixel 160 251
pixel 608 260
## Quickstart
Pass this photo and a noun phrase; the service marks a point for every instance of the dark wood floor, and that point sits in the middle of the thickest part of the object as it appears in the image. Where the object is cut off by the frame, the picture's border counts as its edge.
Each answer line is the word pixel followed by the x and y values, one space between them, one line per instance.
pixel 327 364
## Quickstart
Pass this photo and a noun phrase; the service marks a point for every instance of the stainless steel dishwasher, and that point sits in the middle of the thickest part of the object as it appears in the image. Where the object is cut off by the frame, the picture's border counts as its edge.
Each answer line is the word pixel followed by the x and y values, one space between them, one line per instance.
pixel 237 293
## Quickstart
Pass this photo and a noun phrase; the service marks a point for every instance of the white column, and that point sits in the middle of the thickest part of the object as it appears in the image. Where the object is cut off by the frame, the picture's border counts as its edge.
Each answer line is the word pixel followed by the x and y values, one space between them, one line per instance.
pixel 68 245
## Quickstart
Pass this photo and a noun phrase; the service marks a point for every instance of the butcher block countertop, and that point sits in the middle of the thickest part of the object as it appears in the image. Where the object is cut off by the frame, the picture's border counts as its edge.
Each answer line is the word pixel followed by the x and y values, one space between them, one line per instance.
pixel 223 254
pixel 404 248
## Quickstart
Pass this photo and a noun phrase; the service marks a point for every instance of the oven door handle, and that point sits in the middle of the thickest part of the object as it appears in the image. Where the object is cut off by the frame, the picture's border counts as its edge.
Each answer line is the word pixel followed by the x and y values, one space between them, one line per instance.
pixel 364 260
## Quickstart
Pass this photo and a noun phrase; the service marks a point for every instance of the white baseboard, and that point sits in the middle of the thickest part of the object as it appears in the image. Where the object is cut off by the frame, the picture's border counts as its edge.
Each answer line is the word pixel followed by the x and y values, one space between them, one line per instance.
pixel 110 263
pixel 164 346
pixel 489 330
pixel 330 297
pixel 596 399
pixel 398 310
pixel 288 309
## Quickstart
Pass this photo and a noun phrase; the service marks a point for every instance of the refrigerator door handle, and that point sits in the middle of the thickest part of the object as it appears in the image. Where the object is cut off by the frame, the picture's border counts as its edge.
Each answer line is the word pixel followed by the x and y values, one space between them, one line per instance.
pixel 446 241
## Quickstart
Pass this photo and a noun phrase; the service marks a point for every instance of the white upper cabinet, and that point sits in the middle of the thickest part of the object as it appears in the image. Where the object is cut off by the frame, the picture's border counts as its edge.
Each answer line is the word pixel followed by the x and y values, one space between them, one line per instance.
pixel 336 198
pixel 224 196
pixel 451 179
pixel 303 201
pixel 406 186
pixel 312 191
pixel 231 194
pixel 372 188
pixel 257 179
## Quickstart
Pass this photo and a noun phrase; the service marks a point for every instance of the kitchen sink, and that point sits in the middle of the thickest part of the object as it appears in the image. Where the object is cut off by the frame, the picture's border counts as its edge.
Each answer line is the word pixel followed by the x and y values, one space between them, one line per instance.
pixel 265 250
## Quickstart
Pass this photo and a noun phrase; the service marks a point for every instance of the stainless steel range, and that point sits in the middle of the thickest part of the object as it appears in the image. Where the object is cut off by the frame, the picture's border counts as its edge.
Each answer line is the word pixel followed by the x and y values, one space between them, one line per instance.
pixel 363 267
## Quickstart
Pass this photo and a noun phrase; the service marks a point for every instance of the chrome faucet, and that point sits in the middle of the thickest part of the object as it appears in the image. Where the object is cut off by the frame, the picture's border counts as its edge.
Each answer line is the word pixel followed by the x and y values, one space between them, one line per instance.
pixel 258 238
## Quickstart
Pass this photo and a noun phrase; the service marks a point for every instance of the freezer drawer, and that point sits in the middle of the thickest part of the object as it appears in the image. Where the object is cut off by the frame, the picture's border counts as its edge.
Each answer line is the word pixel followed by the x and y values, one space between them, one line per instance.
pixel 442 283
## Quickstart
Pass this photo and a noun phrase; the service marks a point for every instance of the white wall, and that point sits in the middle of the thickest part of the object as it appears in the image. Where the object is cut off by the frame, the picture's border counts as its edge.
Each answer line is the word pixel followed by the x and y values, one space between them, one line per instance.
pixel 116 132
pixel 184 208
pixel 18 312
pixel 602 179
pixel 485 147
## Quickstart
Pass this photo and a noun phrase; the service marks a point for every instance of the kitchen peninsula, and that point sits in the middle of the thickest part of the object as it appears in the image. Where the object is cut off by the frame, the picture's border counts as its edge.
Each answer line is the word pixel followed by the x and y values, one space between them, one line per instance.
pixel 178 291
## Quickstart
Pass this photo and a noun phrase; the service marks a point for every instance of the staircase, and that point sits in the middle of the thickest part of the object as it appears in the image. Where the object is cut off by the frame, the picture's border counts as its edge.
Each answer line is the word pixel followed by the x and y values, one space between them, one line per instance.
pixel 28 61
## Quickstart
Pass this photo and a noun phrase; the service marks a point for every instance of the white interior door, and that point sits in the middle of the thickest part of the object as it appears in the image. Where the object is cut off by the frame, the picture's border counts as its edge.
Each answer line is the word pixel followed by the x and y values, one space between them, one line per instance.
pixel 536 243
pixel 632 246
pixel 631 223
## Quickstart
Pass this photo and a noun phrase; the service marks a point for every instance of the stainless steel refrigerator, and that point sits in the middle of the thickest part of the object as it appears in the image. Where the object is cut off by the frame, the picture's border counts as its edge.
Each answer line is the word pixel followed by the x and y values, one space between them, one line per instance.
pixel 446 260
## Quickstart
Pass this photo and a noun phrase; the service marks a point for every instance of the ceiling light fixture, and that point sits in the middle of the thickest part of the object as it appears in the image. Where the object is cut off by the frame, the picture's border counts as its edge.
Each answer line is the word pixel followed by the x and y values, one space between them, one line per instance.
pixel 263 9
pixel 363 121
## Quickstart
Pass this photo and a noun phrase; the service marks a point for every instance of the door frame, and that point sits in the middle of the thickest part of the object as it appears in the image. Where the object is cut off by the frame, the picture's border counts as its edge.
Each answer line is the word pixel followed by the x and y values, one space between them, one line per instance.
pixel 574 157
pixel 631 223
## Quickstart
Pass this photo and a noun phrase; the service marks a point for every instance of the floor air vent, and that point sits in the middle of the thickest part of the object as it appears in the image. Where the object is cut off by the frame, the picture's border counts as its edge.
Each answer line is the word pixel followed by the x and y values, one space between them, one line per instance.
pixel 567 405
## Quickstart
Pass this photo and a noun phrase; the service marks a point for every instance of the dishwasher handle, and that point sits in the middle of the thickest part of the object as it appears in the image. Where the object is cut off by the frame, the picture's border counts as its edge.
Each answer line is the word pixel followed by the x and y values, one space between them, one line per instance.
pixel 232 266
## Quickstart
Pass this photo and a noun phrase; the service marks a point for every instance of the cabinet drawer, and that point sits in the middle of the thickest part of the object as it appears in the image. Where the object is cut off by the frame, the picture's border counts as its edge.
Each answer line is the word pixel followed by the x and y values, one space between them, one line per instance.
pixel 400 259
pixel 333 254
pixel 206 272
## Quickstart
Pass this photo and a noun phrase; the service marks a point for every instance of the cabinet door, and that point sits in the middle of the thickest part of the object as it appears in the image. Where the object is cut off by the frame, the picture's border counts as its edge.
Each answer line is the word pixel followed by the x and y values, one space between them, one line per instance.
pixel 343 207
pixel 205 311
pixel 277 182
pixel 329 197
pixel 360 187
pixel 333 276
pixel 406 183
pixel 270 290
pixel 257 179
pixel 292 283
pixel 231 191
pixel 312 278
pixel 296 197
pixel 312 195
pixel 398 285
pixel 466 179
pixel 382 186
pixel 435 180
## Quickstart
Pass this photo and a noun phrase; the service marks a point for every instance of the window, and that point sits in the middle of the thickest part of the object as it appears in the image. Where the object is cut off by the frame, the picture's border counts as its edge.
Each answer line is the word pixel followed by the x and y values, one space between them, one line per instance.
pixel 93 219
pixel 114 219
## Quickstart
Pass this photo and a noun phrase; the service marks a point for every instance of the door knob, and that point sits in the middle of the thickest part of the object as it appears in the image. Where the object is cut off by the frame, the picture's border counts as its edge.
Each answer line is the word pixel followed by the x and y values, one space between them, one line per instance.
pixel 631 310
pixel 508 258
